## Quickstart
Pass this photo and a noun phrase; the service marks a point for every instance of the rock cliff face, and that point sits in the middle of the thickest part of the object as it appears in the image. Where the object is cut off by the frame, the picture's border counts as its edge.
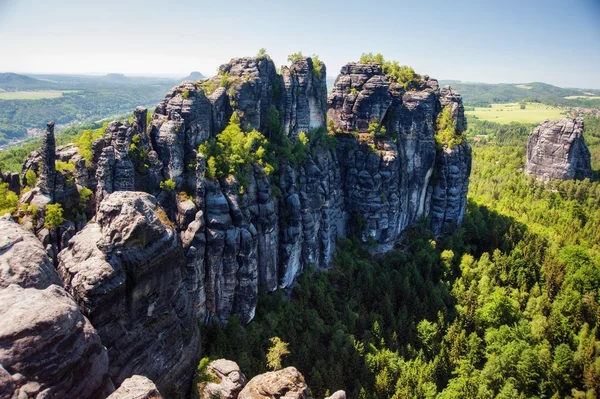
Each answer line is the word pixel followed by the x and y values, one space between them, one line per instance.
pixel 389 187
pixel 383 173
pixel 556 150
pixel 126 271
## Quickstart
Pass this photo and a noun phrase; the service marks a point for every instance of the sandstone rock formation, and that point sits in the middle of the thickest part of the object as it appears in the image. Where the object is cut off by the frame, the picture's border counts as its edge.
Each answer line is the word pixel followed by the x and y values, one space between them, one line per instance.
pixel 47 347
pixel 136 387
pixel 47 159
pixel 380 177
pixel 285 383
pixel 556 150
pixel 230 380
pixel 23 260
pixel 126 272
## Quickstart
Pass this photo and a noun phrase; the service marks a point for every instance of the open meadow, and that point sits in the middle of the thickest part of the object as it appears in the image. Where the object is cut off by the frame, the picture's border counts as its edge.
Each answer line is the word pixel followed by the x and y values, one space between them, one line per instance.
pixel 31 95
pixel 512 112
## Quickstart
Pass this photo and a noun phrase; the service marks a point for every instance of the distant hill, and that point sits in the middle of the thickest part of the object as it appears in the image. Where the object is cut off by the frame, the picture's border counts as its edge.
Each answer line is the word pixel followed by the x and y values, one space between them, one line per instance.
pixel 194 76
pixel 13 81
pixel 483 94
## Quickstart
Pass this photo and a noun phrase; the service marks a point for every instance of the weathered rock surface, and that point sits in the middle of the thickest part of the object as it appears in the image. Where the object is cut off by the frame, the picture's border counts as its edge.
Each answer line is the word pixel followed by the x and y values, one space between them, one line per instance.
pixel 23 260
pixel 337 395
pixel 556 150
pixel 136 387
pixel 305 96
pixel 47 347
pixel 285 383
pixel 47 159
pixel 387 177
pixel 126 272
pixel 230 380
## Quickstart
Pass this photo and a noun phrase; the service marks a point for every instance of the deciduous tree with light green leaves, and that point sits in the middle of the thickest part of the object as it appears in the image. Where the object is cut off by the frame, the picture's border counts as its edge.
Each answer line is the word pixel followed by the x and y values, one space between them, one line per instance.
pixel 276 352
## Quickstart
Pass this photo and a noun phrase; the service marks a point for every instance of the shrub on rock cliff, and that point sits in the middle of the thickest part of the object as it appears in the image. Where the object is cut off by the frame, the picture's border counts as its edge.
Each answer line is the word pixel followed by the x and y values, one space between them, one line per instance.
pixel 446 134
pixel 234 151
pixel 84 142
pixel 54 216
pixel 8 200
pixel 402 74
pixel 167 185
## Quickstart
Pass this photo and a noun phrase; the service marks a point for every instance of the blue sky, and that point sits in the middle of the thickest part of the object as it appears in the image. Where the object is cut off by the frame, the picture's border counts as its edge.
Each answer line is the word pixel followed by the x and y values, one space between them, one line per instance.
pixel 492 41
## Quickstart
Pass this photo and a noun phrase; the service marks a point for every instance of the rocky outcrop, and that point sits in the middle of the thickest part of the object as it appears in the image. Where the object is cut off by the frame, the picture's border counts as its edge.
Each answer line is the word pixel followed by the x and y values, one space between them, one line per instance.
pixel 285 383
pixel 229 380
pixel 47 347
pixel 387 169
pixel 556 150
pixel 23 259
pixel 47 166
pixel 126 271
pixel 136 387
pixel 305 96
pixel 453 168
pixel 449 197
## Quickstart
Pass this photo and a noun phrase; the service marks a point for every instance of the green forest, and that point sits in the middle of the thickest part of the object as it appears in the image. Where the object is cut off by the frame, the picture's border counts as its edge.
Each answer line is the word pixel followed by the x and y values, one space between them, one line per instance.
pixel 507 307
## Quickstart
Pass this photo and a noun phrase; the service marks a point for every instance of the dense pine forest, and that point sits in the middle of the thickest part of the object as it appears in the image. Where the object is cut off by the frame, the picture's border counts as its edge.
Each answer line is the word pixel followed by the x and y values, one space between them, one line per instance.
pixel 505 308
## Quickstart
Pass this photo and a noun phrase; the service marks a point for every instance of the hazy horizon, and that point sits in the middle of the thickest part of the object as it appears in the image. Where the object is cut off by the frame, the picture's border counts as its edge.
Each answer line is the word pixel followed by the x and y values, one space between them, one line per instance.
pixel 511 42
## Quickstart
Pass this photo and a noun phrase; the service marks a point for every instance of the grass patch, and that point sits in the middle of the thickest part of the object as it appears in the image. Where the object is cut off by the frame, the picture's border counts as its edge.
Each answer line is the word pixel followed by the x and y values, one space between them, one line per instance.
pixel 592 97
pixel 512 112
pixel 32 95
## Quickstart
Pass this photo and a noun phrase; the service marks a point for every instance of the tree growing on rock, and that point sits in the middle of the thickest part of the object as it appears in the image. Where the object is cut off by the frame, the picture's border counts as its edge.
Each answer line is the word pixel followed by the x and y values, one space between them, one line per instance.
pixel 54 216
pixel 277 350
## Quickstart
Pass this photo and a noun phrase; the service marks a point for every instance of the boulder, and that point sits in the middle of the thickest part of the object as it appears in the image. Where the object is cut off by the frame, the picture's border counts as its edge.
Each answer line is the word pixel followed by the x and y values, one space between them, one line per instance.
pixel 230 380
pixel 23 260
pixel 136 387
pixel 285 383
pixel 48 347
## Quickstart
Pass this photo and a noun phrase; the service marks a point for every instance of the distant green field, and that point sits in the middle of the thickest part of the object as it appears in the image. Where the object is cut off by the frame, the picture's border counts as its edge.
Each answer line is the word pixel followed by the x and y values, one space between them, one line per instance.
pixel 30 95
pixel 576 97
pixel 512 112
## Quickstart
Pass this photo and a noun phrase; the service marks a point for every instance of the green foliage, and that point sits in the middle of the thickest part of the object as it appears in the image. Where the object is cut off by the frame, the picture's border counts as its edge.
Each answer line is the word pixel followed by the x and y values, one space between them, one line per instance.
pixel 54 216
pixel 209 86
pixel 138 154
pixel 185 94
pixel 262 53
pixel 376 129
pixel 85 140
pixel 446 134
pixel 8 200
pixel 224 80
pixel 167 185
pixel 402 74
pixel 31 178
pixel 85 194
pixel 32 210
pixel 276 352
pixel 234 151
pixel 317 65
pixel 65 166
pixel 295 57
